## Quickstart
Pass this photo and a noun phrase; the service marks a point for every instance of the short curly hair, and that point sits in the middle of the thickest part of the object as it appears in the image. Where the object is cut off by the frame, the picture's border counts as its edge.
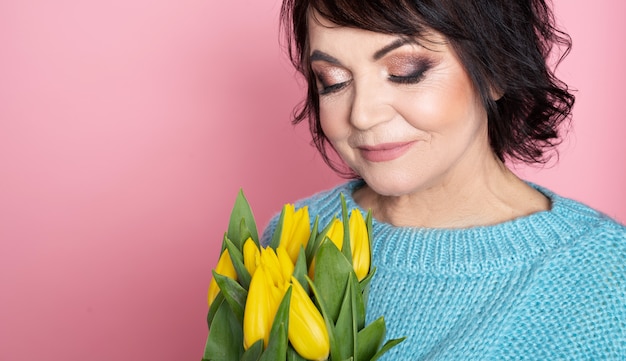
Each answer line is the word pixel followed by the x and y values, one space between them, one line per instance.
pixel 503 44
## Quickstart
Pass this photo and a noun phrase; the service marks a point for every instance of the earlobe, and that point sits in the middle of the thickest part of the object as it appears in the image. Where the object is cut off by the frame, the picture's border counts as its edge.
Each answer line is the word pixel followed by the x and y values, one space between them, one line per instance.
pixel 496 93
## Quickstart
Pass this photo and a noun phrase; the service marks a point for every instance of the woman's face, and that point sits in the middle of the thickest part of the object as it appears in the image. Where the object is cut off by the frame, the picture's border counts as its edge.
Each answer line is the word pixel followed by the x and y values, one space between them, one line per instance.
pixel 406 118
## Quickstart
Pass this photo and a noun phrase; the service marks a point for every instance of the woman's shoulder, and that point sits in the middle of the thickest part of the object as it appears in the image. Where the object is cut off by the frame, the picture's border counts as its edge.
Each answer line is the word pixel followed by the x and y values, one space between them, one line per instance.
pixel 595 243
pixel 570 208
pixel 565 209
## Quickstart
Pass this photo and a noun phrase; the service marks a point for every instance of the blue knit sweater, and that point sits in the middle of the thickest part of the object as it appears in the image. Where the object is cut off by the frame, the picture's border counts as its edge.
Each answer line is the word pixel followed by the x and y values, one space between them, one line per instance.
pixel 549 286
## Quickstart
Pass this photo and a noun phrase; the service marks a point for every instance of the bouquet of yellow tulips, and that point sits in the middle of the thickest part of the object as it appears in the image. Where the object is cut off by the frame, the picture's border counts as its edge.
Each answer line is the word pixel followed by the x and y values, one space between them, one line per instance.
pixel 302 297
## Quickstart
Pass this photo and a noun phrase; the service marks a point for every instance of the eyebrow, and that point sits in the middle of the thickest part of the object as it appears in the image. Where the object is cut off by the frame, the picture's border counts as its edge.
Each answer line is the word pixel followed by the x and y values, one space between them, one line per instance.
pixel 318 55
pixel 394 45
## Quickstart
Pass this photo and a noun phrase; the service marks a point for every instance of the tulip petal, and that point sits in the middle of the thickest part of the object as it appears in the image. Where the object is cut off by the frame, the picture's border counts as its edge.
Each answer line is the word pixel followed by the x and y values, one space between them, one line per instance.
pixel 295 229
pixel 327 319
pixel 359 242
pixel 336 233
pixel 288 224
pixel 307 329
pixel 272 265
pixel 300 234
pixel 225 268
pixel 277 346
pixel 286 265
pixel 251 254
pixel 257 311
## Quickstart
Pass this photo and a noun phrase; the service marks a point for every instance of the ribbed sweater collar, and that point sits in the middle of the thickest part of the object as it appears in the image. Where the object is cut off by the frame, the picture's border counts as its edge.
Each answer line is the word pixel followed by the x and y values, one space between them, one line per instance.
pixel 478 249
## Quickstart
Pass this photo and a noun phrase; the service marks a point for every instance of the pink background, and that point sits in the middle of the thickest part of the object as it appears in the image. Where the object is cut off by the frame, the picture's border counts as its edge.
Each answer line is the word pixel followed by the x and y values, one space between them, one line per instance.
pixel 127 128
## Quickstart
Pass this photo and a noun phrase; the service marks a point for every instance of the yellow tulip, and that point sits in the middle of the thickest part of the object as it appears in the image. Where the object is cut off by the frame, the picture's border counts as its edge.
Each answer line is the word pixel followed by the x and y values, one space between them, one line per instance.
pixel 307 330
pixel 359 245
pixel 286 265
pixel 251 256
pixel 263 300
pixel 296 230
pixel 270 260
pixel 335 233
pixel 225 268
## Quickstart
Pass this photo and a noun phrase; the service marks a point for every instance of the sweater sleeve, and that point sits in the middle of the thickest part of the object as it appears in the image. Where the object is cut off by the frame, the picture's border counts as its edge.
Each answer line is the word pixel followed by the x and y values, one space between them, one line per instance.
pixel 266 236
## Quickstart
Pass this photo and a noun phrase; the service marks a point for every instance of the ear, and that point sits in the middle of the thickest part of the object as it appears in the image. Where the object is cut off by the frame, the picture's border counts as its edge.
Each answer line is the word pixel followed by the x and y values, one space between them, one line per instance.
pixel 495 93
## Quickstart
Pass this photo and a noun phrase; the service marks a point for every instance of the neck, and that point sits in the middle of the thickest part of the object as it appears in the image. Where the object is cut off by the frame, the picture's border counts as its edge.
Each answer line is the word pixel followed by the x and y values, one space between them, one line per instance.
pixel 486 194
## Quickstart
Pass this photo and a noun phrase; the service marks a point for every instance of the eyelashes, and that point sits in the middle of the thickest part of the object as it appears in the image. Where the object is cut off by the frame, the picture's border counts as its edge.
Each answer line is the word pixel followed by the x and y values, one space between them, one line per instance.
pixel 331 79
pixel 400 71
pixel 412 78
pixel 333 88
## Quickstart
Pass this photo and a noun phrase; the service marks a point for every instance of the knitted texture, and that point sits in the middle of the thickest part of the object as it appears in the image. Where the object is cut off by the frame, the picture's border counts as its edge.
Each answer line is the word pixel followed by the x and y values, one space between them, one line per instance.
pixel 548 286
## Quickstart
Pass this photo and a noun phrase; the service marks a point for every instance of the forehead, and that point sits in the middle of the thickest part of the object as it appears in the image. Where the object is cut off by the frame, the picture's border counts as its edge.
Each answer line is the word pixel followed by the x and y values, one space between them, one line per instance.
pixel 324 35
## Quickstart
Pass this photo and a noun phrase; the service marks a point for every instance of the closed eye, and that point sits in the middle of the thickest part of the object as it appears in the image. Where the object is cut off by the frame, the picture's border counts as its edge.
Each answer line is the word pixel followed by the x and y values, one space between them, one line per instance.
pixel 328 89
pixel 408 69
pixel 407 79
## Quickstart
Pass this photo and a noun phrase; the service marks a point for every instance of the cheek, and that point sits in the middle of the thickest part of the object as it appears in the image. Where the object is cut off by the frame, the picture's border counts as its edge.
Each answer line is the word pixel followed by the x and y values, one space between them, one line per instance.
pixel 334 121
pixel 441 106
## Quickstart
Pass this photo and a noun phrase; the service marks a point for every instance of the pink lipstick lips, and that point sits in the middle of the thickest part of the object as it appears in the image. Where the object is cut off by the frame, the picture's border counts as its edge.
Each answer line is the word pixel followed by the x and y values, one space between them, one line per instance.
pixel 384 152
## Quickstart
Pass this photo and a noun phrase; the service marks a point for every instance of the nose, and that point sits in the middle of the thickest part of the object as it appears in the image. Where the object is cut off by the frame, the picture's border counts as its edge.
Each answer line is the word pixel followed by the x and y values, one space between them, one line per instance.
pixel 370 104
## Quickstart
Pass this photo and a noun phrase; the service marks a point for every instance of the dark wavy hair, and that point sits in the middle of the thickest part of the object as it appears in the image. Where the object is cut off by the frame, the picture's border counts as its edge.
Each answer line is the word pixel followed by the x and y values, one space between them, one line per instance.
pixel 503 45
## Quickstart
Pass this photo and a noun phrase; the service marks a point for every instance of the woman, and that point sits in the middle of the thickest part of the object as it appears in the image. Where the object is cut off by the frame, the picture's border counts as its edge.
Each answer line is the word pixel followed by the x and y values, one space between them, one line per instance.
pixel 426 102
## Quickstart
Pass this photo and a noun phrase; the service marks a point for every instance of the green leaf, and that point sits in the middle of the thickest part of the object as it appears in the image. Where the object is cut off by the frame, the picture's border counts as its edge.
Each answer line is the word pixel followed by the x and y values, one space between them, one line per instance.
pixel 236 256
pixel 388 345
pixel 370 338
pixel 332 271
pixel 370 232
pixel 313 243
pixel 312 247
pixel 364 285
pixel 274 351
pixel 241 210
pixel 254 352
pixel 345 249
pixel 358 311
pixel 214 307
pixel 244 234
pixel 345 327
pixel 300 270
pixel 358 302
pixel 277 345
pixel 327 319
pixel 275 242
pixel 225 340
pixel 233 293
